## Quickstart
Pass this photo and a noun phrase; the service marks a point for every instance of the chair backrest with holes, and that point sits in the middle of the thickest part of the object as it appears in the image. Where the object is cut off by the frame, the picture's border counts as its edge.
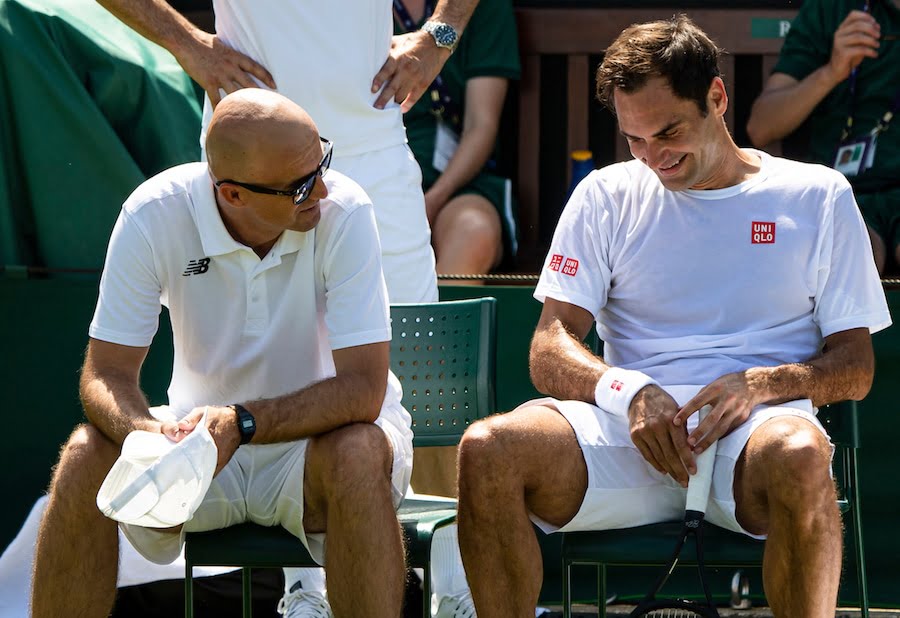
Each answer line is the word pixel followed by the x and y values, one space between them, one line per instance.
pixel 444 356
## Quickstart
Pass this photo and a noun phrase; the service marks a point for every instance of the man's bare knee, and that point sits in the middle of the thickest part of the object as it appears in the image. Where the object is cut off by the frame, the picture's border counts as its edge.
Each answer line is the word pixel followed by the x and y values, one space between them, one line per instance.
pixel 355 455
pixel 799 466
pixel 482 448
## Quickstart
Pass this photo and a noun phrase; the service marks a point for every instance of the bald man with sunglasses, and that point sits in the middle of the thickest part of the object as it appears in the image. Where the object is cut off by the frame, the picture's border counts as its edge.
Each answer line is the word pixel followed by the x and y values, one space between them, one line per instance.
pixel 270 268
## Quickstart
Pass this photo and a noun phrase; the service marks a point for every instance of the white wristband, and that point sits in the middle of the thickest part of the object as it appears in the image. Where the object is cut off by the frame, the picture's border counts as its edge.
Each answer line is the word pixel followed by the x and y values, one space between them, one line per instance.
pixel 617 387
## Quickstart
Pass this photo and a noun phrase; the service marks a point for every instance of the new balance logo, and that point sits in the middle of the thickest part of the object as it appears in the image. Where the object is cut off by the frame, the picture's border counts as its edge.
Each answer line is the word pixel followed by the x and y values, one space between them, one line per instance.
pixel 196 267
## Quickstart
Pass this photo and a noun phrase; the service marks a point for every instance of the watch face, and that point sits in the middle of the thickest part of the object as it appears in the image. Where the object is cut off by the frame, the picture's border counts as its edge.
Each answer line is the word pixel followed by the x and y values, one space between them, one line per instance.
pixel 445 35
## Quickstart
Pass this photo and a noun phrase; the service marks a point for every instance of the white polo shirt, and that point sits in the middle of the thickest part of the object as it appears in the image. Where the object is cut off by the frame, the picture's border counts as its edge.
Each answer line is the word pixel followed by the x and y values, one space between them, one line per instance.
pixel 243 327
pixel 687 286
pixel 323 55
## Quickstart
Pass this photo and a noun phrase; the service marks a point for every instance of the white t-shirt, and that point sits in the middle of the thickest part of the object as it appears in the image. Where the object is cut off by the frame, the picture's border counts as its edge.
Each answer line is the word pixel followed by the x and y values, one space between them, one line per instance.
pixel 243 327
pixel 323 55
pixel 687 286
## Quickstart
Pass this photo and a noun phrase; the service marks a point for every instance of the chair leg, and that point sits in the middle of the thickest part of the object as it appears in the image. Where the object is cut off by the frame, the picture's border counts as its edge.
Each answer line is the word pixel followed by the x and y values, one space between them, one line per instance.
pixel 856 516
pixel 188 591
pixel 246 585
pixel 601 587
pixel 566 589
pixel 426 589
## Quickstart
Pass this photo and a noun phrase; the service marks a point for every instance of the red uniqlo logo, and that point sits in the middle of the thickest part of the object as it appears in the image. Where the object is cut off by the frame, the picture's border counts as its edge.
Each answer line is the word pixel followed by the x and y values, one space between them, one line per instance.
pixel 570 267
pixel 555 262
pixel 616 385
pixel 762 232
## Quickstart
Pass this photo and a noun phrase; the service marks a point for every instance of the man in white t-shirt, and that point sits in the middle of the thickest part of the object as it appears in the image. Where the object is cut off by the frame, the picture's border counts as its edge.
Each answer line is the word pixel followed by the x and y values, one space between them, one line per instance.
pixel 272 277
pixel 716 275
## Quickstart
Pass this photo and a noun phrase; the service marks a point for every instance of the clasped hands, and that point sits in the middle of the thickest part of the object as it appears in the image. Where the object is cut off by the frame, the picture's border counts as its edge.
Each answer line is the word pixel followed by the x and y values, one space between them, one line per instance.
pixel 659 425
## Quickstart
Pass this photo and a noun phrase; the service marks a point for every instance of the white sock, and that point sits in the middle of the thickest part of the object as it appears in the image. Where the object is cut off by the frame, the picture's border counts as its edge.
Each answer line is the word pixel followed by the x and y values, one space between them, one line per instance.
pixel 447 574
pixel 310 578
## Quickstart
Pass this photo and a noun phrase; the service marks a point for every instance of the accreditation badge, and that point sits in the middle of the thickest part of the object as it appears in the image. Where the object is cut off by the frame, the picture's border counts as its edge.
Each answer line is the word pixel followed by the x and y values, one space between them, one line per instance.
pixel 855 156
pixel 445 144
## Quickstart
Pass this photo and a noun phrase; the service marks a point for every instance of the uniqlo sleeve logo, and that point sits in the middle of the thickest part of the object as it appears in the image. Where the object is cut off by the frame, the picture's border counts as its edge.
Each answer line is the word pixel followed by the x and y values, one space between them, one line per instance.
pixel 555 262
pixel 570 267
pixel 616 385
pixel 762 232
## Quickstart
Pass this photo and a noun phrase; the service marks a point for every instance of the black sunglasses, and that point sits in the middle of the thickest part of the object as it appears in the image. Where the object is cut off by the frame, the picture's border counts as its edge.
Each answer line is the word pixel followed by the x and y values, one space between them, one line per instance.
pixel 302 188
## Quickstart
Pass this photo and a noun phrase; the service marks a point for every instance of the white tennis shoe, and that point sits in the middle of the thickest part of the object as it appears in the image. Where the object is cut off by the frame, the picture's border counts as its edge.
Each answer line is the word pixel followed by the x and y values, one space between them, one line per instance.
pixel 299 603
pixel 456 606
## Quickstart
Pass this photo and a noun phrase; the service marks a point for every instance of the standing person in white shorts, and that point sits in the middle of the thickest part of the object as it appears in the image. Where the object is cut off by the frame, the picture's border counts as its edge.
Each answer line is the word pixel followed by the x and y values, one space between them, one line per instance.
pixel 272 276
pixel 716 275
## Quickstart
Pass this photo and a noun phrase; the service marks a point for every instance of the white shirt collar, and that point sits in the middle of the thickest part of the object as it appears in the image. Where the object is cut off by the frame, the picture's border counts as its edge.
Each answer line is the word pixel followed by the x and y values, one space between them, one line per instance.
pixel 214 236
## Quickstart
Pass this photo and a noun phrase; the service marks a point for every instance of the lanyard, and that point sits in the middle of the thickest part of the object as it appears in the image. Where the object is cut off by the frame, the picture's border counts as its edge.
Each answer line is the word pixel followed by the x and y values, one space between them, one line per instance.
pixel 442 105
pixel 885 121
pixel 405 18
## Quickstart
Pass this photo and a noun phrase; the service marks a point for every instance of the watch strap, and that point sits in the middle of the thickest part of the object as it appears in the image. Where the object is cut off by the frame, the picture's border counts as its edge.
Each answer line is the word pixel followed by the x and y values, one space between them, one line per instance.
pixel 246 422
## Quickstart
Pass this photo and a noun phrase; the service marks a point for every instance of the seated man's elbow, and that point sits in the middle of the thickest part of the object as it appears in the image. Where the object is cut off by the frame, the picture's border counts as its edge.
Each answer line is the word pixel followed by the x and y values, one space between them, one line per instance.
pixel 371 403
pixel 859 376
pixel 535 379
pixel 369 410
pixel 534 370
pixel 863 383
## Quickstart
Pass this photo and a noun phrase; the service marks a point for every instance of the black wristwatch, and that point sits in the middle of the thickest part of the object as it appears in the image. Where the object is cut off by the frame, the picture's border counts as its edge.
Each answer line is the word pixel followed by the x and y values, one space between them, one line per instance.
pixel 246 422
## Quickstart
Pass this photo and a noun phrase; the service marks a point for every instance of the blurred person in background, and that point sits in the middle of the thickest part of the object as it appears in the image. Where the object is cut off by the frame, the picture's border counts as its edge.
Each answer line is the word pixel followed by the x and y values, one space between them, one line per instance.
pixel 839 70
pixel 453 132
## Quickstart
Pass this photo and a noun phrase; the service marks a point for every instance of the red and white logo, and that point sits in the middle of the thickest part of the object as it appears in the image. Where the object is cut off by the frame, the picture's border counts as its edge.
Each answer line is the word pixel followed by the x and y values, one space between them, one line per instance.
pixel 616 385
pixel 570 267
pixel 762 232
pixel 555 262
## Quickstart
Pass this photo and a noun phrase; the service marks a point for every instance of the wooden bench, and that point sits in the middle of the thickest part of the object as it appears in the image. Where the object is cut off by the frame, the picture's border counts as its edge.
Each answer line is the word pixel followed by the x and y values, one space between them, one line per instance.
pixel 581 36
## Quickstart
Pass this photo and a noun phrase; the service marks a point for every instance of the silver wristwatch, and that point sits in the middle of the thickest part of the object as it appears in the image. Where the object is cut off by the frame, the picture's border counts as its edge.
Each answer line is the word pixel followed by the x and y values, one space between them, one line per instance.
pixel 444 34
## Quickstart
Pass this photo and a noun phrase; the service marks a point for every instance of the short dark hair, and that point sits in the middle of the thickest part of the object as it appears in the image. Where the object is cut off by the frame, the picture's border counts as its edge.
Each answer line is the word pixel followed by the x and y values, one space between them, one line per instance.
pixel 674 49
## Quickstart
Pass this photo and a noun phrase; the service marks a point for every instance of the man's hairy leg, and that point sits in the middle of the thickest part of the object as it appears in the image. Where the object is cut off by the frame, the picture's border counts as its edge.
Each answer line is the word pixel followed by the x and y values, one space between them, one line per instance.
pixel 783 488
pixel 509 464
pixel 77 553
pixel 348 495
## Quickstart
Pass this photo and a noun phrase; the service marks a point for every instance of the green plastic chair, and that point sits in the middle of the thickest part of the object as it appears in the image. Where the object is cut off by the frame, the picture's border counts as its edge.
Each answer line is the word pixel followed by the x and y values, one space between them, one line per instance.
pixel 651 545
pixel 444 356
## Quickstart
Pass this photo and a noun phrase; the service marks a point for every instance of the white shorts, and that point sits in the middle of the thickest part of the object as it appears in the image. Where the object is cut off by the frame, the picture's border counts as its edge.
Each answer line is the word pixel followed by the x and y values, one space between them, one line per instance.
pixel 393 180
pixel 264 484
pixel 625 491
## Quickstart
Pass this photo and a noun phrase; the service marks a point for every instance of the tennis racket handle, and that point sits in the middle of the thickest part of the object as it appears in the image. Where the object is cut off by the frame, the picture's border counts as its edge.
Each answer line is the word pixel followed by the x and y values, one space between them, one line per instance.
pixel 700 483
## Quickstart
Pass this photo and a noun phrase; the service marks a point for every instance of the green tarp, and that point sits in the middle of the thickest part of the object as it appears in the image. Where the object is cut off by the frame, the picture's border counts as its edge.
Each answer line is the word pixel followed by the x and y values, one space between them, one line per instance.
pixel 88 110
